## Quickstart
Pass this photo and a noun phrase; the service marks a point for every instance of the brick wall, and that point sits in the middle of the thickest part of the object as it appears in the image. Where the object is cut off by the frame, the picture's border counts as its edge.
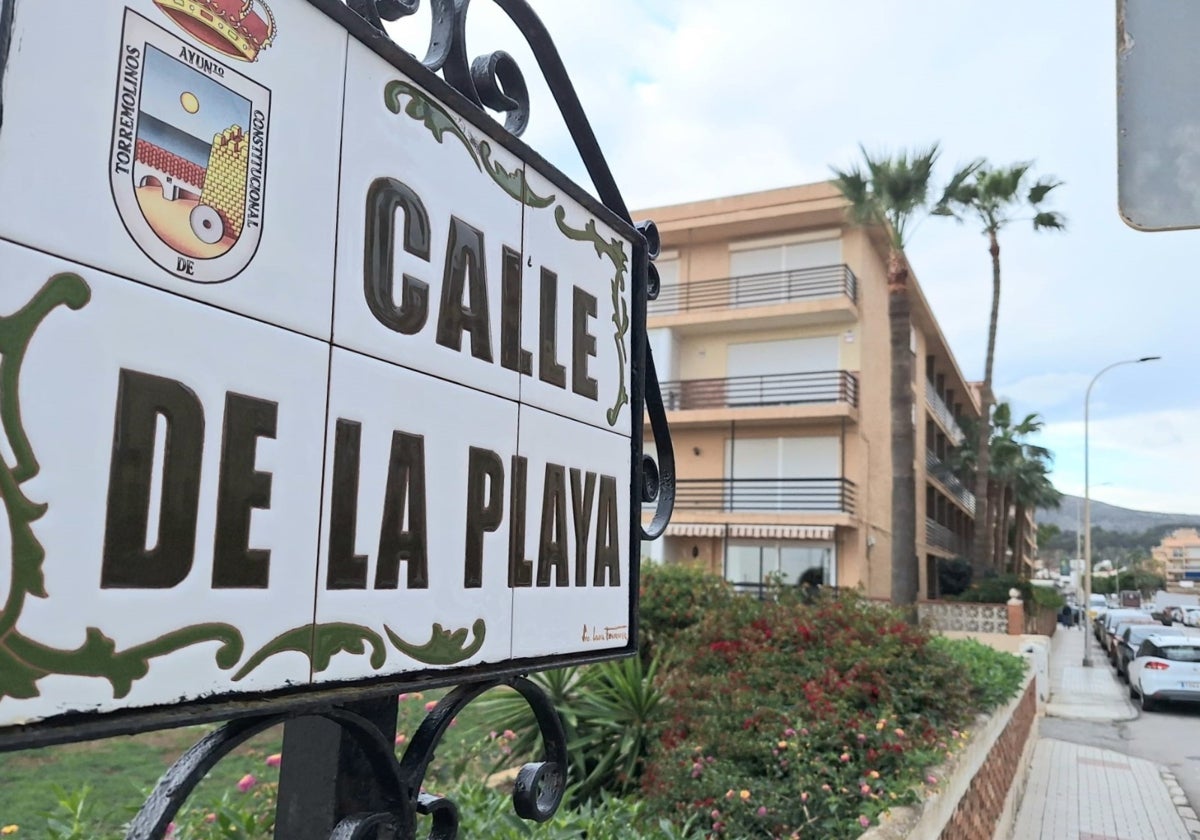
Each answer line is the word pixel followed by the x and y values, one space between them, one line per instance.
pixel 980 808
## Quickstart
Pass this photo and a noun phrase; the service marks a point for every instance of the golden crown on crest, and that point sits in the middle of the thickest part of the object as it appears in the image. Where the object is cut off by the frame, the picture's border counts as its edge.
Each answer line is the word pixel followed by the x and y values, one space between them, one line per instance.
pixel 237 28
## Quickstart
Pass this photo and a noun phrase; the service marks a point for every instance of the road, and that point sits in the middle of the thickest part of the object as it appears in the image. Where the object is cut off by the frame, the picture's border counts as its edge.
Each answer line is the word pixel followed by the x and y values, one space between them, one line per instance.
pixel 1170 737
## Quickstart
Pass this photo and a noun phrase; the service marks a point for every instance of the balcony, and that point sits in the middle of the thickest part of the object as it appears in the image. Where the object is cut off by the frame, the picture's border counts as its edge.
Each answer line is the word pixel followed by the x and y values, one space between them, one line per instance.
pixel 766 495
pixel 939 470
pixel 831 386
pixel 756 290
pixel 939 409
pixel 939 536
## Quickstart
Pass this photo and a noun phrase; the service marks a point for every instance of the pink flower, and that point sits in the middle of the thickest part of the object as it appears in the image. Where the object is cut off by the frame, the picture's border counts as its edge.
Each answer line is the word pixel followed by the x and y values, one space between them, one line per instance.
pixel 844 758
pixel 274 760
pixel 210 817
pixel 246 782
pixel 789 732
pixel 697 769
pixel 804 796
pixel 508 733
pixel 826 788
pixel 716 815
pixel 899 733
pixel 403 697
pixel 401 738
pixel 430 705
pixel 863 821
pixel 864 789
pixel 762 810
pixel 170 831
pixel 931 779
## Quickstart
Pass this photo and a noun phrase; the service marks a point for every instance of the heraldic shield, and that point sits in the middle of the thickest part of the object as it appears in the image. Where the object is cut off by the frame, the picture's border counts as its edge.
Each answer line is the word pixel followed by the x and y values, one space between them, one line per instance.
pixel 189 154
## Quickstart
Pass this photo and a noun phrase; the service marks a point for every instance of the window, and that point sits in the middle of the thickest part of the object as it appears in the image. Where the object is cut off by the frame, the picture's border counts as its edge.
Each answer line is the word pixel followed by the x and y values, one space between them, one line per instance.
pixel 780 271
pixel 750 565
pixel 1180 653
pixel 767 473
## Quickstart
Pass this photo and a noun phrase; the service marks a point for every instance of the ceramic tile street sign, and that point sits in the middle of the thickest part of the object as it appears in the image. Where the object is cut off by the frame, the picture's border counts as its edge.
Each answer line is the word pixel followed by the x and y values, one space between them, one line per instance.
pixel 313 378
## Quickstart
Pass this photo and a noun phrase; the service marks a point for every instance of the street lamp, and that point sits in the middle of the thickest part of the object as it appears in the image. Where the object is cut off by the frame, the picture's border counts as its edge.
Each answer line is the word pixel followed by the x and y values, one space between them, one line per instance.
pixel 1087 508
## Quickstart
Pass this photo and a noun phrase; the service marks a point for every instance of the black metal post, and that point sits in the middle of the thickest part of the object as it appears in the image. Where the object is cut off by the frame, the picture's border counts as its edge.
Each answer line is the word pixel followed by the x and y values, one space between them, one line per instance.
pixel 326 776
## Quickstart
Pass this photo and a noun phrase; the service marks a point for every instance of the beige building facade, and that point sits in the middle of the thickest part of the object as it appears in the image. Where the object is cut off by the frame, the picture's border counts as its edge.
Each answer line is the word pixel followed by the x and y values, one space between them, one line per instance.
pixel 770 338
pixel 1178 555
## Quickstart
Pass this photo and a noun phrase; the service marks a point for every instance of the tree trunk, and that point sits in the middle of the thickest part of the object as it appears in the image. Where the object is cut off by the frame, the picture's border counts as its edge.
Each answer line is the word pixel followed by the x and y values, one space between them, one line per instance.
pixel 1019 539
pixel 984 514
pixel 1004 501
pixel 905 565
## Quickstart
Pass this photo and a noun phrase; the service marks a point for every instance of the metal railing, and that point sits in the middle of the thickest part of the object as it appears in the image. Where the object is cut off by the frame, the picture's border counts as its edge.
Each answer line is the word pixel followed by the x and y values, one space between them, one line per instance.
pixel 943 413
pixel 939 536
pixel 805 495
pixel 756 290
pixel 940 470
pixel 827 386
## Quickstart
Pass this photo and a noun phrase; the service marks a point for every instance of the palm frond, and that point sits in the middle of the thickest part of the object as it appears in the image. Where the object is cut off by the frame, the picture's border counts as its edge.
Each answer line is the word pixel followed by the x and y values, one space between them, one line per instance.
pixel 1049 220
pixel 1039 191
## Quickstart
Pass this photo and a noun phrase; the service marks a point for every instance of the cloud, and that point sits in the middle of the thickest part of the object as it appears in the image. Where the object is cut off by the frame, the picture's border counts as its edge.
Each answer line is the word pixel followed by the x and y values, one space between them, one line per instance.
pixel 1148 460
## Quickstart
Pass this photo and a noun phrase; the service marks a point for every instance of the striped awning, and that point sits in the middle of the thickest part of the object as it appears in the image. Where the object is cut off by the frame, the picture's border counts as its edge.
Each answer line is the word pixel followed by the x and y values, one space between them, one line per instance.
pixel 754 532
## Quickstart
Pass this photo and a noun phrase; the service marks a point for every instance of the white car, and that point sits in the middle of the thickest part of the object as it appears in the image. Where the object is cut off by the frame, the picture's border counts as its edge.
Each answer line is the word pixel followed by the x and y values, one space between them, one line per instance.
pixel 1166 668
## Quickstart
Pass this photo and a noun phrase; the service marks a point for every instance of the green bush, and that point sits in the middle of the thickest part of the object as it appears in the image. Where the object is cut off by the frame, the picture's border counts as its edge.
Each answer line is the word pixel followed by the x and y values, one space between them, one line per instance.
pixel 609 711
pixel 992 675
pixel 672 598
pixel 809 721
pixel 994 590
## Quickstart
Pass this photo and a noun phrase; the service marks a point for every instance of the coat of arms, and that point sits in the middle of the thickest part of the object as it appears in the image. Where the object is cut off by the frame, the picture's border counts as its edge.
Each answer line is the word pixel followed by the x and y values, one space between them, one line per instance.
pixel 189 150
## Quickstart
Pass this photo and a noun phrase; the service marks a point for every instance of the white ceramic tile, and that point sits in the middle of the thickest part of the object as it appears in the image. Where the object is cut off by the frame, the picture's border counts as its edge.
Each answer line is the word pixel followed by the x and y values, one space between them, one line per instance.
pixel 586 267
pixel 571 613
pixel 246 223
pixel 92 327
pixel 442 165
pixel 438 424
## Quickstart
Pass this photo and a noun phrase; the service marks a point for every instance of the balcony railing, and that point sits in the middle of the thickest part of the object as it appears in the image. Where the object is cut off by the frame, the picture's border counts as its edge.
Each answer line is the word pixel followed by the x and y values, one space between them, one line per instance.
pixel 942 472
pixel 756 290
pixel 939 536
pixel 943 413
pixel 829 386
pixel 757 495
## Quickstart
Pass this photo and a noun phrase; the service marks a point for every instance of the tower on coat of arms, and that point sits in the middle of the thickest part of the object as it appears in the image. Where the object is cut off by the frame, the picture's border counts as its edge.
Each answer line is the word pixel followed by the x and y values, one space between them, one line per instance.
pixel 188 165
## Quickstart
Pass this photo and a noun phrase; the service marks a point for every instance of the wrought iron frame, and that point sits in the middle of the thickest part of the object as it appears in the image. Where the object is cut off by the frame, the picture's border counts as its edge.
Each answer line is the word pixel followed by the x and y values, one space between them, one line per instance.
pixel 352 728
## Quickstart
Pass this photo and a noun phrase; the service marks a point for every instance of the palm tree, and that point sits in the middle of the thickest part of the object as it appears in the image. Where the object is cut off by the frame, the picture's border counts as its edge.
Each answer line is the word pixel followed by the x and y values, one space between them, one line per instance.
pixel 1018 476
pixel 892 192
pixel 995 197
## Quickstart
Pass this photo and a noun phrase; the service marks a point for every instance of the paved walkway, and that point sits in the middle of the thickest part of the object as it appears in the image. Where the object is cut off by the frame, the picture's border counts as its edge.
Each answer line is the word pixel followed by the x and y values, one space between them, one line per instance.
pixel 1084 793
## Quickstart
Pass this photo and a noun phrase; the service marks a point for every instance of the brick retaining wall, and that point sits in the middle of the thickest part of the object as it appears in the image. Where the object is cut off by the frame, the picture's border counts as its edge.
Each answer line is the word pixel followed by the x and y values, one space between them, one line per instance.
pixel 980 808
pixel 981 786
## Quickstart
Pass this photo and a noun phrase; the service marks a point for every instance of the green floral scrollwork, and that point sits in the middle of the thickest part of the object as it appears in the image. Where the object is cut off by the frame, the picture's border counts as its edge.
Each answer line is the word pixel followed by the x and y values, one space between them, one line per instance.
pixel 614 249
pixel 420 107
pixel 514 183
pixel 319 642
pixel 24 661
pixel 444 647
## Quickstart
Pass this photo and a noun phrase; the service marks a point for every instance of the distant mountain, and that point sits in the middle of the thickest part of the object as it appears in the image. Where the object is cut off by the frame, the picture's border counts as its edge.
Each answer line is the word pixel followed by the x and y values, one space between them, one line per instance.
pixel 1113 518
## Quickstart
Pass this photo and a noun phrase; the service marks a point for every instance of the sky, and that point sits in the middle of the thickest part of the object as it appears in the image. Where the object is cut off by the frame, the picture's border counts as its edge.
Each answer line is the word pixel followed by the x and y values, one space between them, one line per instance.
pixel 694 99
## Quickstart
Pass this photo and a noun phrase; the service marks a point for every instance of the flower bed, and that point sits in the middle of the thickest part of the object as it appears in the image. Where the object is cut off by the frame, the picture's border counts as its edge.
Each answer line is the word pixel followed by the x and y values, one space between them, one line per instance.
pixel 795 720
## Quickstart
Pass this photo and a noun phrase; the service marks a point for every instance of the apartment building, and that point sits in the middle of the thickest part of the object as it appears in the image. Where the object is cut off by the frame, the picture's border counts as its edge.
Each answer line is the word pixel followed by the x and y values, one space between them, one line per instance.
pixel 770 336
pixel 1178 555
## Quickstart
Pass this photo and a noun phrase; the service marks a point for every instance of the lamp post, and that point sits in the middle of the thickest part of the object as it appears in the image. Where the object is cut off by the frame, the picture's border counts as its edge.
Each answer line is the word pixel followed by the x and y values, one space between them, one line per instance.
pixel 1087 507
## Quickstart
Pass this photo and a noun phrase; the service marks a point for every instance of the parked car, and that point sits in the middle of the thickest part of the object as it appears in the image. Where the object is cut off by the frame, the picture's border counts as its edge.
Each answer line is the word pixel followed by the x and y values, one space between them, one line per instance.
pixel 1111 618
pixel 1191 616
pixel 1131 638
pixel 1165 668
pixel 1114 636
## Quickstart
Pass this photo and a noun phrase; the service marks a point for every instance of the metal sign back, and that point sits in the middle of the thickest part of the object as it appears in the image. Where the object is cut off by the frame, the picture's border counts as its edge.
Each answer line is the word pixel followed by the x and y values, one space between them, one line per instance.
pixel 1158 115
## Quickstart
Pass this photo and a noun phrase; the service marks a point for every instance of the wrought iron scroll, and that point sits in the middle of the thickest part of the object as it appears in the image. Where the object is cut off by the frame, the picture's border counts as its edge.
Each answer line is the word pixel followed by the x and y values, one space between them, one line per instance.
pixel 537 792
pixel 495 81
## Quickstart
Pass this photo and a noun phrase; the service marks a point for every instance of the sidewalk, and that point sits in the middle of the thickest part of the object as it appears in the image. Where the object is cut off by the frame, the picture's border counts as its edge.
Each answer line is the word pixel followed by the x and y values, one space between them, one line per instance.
pixel 1084 793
